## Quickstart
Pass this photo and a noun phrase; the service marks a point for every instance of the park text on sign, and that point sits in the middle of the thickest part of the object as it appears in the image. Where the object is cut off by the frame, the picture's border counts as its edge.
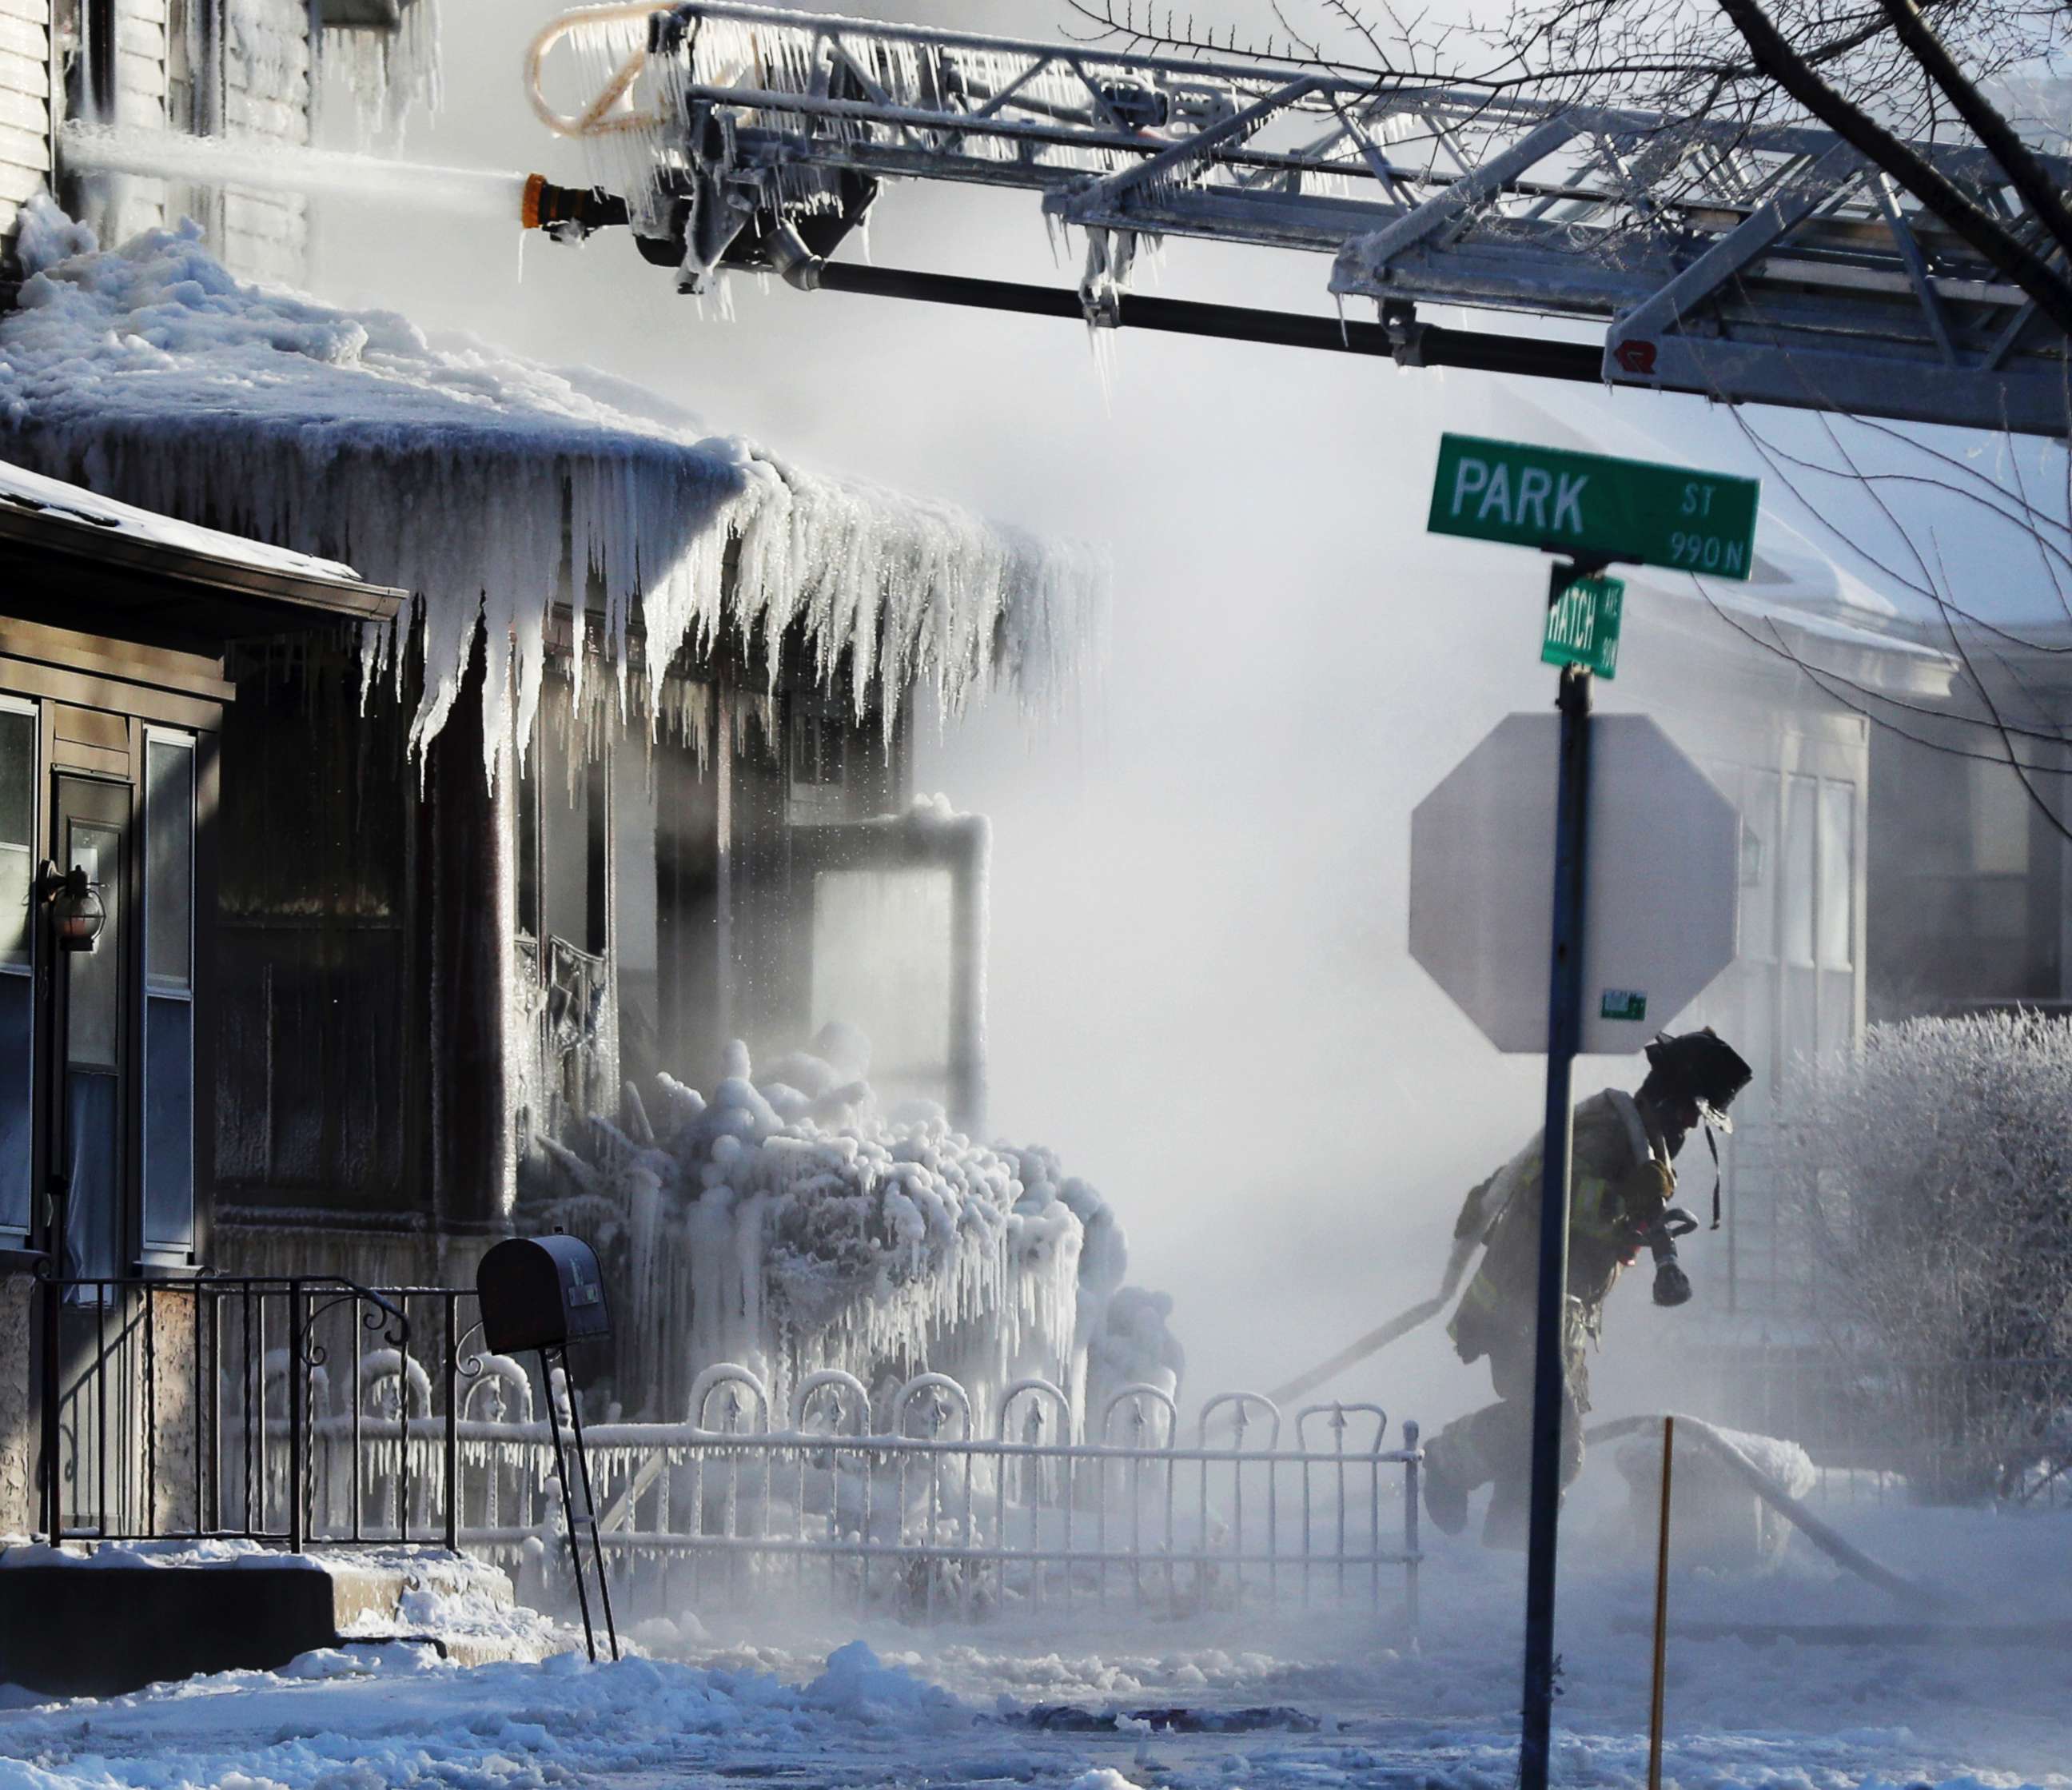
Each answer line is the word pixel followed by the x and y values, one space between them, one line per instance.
pixel 1632 510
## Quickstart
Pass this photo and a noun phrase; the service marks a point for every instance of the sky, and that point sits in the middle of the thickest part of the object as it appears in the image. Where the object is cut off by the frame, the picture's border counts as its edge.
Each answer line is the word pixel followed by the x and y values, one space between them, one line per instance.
pixel 1200 990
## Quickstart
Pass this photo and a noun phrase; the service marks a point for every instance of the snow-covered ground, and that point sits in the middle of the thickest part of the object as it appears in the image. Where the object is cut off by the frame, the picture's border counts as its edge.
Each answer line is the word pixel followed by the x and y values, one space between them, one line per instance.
pixel 1332 1699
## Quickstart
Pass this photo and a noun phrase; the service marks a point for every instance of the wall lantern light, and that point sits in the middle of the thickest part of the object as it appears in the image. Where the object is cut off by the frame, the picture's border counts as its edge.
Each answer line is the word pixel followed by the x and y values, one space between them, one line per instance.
pixel 76 913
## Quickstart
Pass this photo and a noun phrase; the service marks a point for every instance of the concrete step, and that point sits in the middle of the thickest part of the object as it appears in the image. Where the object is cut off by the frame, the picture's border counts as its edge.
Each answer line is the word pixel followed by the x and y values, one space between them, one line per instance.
pixel 99 1620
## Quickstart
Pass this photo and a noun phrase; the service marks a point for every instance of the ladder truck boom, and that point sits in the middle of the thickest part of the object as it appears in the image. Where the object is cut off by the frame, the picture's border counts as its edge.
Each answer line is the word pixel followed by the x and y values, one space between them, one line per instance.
pixel 1774 265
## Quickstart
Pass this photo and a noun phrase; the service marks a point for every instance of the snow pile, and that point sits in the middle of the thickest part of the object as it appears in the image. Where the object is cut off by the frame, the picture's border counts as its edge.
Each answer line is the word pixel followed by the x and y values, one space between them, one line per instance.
pixel 1882 1703
pixel 214 1552
pixel 358 1715
pixel 790 1225
pixel 493 488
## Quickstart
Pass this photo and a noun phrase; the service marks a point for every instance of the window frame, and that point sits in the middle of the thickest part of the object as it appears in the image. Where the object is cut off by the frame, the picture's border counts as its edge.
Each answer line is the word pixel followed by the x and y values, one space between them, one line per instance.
pixel 151 1253
pixel 22 1237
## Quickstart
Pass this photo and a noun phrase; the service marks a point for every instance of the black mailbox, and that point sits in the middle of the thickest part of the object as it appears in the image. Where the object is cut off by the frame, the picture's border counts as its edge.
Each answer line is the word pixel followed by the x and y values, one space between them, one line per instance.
pixel 541 1292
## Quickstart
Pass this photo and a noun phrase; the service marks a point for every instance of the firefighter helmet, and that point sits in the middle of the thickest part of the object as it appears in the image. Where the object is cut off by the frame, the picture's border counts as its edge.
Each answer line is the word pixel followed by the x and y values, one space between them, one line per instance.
pixel 1700 1067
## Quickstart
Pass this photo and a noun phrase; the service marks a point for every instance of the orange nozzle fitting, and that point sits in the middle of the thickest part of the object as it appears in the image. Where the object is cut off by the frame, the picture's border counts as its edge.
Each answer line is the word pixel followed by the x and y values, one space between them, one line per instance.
pixel 569 212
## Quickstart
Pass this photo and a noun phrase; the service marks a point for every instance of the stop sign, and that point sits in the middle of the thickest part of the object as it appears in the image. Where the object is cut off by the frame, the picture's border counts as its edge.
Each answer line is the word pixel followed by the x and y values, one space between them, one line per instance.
pixel 1661 897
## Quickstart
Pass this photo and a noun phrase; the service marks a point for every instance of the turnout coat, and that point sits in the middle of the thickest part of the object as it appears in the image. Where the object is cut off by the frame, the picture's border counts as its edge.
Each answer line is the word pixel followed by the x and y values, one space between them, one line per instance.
pixel 1622 1183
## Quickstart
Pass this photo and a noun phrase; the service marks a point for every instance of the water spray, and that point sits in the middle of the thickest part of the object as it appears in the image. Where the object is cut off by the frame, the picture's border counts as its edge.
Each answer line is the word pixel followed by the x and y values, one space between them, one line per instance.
pixel 281 168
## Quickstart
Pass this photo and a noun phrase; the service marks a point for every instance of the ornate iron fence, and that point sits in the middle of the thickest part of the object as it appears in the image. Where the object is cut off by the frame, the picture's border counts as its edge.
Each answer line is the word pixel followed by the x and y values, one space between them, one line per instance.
pixel 314 1411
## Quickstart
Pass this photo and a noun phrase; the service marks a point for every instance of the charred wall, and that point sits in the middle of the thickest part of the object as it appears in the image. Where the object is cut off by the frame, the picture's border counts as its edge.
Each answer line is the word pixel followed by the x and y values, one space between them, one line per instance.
pixel 364 1115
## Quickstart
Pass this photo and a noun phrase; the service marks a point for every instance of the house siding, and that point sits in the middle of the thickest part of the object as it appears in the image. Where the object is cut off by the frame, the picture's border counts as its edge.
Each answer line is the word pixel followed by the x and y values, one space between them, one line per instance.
pixel 238 68
pixel 25 106
pixel 267 93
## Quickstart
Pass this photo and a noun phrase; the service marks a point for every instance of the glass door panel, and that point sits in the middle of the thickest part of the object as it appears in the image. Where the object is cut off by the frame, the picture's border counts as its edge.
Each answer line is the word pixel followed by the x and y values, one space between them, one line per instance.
pixel 93 822
pixel 169 987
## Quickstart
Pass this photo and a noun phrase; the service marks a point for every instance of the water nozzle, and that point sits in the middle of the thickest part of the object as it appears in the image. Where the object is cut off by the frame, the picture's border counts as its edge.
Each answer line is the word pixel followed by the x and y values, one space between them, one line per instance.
pixel 569 213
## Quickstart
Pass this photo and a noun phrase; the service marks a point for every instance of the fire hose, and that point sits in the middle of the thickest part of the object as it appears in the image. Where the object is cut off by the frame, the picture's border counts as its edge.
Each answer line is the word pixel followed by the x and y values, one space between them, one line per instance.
pixel 1819 1533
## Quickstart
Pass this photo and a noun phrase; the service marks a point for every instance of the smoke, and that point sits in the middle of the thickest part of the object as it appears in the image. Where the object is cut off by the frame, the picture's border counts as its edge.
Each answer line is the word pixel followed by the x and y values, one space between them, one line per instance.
pixel 1199 987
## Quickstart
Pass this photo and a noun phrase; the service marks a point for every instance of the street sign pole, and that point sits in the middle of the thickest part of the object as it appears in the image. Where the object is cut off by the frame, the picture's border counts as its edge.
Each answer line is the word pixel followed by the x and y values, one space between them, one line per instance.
pixel 1565 1016
pixel 1593 510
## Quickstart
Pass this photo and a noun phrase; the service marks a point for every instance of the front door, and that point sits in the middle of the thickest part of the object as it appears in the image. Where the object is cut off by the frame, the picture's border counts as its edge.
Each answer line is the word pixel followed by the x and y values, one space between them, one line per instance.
pixel 91 825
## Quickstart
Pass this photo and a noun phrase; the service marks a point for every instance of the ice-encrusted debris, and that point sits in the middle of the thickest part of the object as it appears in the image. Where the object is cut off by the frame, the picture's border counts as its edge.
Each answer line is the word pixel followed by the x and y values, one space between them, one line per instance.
pixel 492 487
pixel 788 1224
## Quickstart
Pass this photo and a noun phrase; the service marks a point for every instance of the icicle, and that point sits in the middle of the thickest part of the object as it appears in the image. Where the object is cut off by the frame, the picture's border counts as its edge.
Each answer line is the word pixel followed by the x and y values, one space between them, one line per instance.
pixel 493 488
pixel 389 73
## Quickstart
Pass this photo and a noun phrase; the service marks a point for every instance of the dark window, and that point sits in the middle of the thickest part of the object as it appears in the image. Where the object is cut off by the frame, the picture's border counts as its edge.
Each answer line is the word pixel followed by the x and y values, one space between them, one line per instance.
pixel 18 827
pixel 317 1082
pixel 564 809
pixel 86 31
pixel 817 741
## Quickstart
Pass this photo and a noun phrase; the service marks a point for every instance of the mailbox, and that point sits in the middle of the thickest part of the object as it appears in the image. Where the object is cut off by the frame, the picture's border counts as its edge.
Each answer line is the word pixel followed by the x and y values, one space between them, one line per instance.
pixel 541 1292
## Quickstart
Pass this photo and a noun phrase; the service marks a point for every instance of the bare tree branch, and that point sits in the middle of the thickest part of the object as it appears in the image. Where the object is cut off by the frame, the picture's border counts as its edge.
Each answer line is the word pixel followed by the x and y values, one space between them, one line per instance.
pixel 1987 123
pixel 2052 292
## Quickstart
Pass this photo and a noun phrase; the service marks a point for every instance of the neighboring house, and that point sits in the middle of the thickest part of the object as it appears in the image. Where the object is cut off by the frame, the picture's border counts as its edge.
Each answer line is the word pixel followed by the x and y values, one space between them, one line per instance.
pixel 1968 905
pixel 116 629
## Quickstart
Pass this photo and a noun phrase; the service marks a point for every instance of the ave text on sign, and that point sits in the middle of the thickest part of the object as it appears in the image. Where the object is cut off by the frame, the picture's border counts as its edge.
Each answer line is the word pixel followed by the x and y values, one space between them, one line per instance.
pixel 1594 503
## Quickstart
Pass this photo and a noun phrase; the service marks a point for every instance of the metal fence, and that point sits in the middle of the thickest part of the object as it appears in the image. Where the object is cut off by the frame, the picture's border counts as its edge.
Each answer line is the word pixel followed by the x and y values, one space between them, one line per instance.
pixel 227 1406
pixel 313 1411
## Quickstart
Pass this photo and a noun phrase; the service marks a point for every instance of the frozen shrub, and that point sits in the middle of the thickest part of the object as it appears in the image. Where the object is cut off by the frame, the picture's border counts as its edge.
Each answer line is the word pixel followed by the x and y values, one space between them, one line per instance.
pixel 791 1224
pixel 1933 1172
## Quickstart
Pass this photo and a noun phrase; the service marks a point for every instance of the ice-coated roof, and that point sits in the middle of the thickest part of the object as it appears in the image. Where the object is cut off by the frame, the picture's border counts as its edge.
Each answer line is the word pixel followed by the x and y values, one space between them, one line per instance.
pixel 488 484
pixel 21 489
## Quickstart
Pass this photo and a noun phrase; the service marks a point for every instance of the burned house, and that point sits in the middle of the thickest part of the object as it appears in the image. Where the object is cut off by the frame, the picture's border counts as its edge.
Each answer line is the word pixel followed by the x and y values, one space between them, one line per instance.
pixel 601 774
pixel 116 635
pixel 631 782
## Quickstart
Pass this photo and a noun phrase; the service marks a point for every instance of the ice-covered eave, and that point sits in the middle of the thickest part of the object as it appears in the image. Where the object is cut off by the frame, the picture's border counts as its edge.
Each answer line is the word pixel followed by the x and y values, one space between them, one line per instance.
pixel 490 488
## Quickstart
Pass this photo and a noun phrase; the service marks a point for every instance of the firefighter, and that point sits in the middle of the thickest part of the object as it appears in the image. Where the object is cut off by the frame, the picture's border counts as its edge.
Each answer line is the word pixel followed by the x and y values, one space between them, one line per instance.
pixel 1622 1184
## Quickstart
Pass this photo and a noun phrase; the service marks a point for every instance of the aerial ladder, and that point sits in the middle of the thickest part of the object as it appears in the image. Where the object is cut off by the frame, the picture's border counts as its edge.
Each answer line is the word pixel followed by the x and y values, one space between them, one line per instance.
pixel 1772 265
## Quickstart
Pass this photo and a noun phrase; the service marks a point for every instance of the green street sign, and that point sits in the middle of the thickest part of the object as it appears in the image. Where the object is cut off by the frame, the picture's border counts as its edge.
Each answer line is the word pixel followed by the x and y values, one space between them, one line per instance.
pixel 1635 510
pixel 1583 626
pixel 1622 1003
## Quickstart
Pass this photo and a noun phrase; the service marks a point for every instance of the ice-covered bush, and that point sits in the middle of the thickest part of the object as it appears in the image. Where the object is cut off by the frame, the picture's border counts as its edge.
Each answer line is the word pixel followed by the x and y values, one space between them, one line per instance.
pixel 789 1224
pixel 1932 1171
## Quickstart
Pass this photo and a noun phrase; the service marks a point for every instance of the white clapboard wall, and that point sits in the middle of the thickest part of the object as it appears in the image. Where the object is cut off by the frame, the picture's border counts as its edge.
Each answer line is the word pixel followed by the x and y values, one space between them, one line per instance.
pixel 266 94
pixel 25 104
pixel 176 63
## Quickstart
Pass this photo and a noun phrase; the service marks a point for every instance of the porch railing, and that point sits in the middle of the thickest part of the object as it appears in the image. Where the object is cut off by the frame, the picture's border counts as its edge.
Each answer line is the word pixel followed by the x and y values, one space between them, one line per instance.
pixel 312 1411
